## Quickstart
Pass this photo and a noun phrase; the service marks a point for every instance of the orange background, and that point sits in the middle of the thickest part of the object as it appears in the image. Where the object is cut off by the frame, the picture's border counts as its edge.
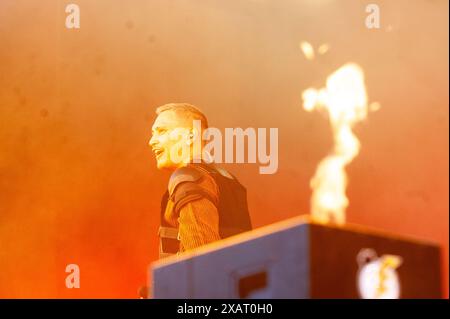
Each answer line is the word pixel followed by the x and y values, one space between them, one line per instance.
pixel 78 183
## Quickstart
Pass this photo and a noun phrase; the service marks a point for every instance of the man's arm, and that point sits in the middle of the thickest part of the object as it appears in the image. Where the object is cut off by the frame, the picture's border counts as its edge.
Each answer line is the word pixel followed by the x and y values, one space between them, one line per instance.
pixel 198 224
pixel 195 196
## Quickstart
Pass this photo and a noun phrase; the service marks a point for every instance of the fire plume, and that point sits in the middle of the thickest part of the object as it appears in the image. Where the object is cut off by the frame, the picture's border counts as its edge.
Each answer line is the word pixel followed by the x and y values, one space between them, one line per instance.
pixel 345 100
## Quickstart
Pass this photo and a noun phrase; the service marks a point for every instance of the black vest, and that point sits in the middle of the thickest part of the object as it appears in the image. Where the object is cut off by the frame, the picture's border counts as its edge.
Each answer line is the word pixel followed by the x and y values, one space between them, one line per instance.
pixel 234 217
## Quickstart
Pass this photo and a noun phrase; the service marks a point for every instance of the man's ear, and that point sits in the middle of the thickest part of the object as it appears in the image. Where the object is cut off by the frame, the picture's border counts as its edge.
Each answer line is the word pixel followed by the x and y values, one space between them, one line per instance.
pixel 190 137
pixel 194 133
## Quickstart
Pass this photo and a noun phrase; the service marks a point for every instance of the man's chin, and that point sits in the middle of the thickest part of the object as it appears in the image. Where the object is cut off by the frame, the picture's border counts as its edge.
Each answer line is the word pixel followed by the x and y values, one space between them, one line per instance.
pixel 164 166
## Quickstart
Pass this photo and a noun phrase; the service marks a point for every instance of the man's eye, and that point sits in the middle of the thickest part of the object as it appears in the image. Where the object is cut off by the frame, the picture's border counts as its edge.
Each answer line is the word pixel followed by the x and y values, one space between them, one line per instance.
pixel 159 131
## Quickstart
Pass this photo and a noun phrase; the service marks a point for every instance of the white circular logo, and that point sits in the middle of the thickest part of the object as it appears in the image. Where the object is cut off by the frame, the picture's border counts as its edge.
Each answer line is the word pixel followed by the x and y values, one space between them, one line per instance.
pixel 377 277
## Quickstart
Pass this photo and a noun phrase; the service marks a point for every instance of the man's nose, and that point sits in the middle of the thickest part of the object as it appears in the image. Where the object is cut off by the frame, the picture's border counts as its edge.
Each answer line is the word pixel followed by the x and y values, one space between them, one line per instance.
pixel 152 141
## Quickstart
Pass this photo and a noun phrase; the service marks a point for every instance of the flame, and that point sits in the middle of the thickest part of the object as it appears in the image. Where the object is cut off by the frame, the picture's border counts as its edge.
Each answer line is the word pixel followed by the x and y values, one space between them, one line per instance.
pixel 345 100
pixel 307 50
pixel 323 48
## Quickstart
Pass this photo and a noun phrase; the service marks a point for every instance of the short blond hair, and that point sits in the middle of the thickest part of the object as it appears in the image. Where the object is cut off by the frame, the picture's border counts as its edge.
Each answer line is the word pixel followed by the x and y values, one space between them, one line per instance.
pixel 184 110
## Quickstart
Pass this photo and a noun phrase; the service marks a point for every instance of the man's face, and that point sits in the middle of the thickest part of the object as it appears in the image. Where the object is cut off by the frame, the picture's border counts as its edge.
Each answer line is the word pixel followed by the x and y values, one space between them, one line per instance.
pixel 169 131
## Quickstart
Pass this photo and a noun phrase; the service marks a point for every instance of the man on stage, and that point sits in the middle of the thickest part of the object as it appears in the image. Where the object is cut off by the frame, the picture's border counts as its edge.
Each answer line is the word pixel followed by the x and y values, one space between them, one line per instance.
pixel 203 203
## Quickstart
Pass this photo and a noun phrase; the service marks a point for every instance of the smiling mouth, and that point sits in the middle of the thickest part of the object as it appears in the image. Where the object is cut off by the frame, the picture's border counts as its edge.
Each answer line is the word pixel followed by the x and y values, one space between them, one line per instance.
pixel 158 152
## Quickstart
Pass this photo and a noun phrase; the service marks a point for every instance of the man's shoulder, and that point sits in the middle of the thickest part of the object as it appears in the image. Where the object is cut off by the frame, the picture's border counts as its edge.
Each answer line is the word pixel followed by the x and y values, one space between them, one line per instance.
pixel 191 173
